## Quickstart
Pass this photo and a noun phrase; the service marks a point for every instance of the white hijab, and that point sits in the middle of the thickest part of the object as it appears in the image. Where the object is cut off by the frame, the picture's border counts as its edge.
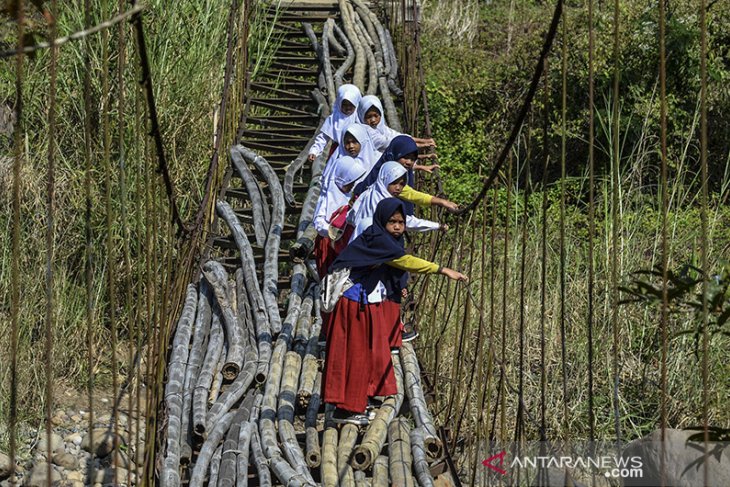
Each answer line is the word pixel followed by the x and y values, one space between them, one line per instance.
pixel 337 121
pixel 345 170
pixel 368 155
pixel 366 204
pixel 366 103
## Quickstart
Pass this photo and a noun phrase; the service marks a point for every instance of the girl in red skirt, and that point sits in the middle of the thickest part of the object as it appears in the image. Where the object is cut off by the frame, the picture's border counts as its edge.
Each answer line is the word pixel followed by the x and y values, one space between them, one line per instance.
pixel 358 363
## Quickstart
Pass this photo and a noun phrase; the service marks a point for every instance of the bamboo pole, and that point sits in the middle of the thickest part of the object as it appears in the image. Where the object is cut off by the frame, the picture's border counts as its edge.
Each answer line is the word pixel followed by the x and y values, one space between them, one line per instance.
pixel 259 208
pixel 262 466
pixel 377 432
pixel 215 465
pixel 340 73
pixel 195 360
pixel 399 449
pixel 273 242
pixel 258 306
pixel 420 463
pixel 310 363
pixel 217 277
pixel 306 234
pixel 328 468
pixel 205 379
pixel 326 65
pixel 208 449
pixel 380 471
pixel 361 480
pixel 361 61
pixel 333 42
pixel 313 451
pixel 347 440
pixel 227 475
pixel 170 475
pixel 416 400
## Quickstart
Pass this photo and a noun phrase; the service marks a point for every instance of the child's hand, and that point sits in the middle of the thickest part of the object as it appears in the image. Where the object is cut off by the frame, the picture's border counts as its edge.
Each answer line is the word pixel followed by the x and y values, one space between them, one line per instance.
pixel 311 157
pixel 404 293
pixel 450 206
pixel 452 274
pixel 432 155
pixel 444 228
pixel 429 169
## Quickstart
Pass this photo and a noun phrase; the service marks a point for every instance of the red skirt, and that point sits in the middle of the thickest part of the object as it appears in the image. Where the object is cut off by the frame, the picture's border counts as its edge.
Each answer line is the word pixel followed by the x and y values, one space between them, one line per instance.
pixel 392 324
pixel 357 361
pixel 324 255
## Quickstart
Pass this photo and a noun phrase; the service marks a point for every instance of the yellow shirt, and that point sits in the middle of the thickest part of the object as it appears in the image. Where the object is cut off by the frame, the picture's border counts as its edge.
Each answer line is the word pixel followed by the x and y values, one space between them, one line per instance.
pixel 414 264
pixel 416 197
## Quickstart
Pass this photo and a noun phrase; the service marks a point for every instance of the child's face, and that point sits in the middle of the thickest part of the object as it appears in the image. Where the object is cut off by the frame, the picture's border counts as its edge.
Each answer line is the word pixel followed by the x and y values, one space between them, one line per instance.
pixel 408 160
pixel 396 224
pixel 372 117
pixel 352 146
pixel 396 187
pixel 347 108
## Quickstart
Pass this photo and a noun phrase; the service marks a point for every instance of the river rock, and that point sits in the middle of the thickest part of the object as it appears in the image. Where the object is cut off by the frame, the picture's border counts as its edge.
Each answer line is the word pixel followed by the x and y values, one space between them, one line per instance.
pixel 684 463
pixel 106 476
pixel 65 460
pixel 42 445
pixel 4 466
pixel 74 438
pixel 103 442
pixel 38 476
pixel 76 476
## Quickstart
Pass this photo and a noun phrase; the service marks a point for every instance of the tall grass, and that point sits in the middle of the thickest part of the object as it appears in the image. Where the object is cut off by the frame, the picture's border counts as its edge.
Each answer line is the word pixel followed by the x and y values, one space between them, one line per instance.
pixel 452 315
pixel 186 44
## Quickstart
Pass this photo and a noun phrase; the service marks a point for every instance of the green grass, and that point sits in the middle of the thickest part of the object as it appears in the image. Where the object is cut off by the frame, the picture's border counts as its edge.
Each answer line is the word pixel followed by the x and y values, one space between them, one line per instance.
pixel 186 44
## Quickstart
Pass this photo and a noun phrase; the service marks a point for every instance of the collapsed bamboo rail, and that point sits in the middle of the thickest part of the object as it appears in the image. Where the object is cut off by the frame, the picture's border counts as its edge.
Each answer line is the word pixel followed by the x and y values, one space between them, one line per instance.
pixel 205 378
pixel 259 208
pixel 313 452
pixel 328 469
pixel 258 307
pixel 217 277
pixel 420 463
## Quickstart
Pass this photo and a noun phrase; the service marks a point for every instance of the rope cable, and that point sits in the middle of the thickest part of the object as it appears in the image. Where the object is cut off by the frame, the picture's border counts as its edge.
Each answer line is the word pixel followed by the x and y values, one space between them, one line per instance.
pixel 522 114
pixel 591 219
pixel 563 152
pixel 50 231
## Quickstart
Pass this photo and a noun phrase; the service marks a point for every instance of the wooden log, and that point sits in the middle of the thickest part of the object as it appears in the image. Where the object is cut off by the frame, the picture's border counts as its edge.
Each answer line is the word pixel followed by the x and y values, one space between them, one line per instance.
pixel 253 291
pixel 271 251
pixel 170 475
pixel 195 361
pixel 262 466
pixel 326 64
pixel 215 465
pixel 328 470
pixel 340 73
pixel 217 277
pixel 400 462
pixel 205 378
pixel 380 471
pixel 259 208
pixel 361 61
pixel 420 463
pixel 377 432
pixel 313 451
pixel 347 440
pixel 417 401
pixel 208 449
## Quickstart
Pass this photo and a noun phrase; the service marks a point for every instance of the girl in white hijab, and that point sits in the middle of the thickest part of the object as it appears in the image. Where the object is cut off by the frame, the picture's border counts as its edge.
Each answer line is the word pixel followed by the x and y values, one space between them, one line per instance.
pixel 343 114
pixel 390 183
pixel 355 144
pixel 370 112
pixel 345 172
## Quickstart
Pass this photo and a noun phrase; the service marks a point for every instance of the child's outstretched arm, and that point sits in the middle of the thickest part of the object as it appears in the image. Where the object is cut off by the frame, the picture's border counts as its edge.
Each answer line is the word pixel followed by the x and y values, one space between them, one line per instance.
pixel 422 199
pixel 318 146
pixel 417 265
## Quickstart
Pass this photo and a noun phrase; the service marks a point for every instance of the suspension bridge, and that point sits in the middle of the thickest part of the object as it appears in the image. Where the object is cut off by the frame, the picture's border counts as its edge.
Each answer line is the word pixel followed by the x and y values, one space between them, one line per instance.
pixel 210 324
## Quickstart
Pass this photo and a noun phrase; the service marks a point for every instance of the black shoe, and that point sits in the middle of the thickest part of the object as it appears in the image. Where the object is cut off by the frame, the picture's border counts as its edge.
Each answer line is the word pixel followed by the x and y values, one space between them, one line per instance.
pixel 346 417
pixel 409 332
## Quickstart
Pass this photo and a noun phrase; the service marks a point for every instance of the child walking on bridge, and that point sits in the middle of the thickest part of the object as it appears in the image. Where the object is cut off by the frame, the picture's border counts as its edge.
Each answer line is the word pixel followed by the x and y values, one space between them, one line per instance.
pixel 358 363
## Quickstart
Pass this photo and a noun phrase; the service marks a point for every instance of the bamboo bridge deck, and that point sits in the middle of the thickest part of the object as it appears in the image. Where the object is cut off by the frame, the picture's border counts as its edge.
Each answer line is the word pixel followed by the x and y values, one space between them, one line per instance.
pixel 250 412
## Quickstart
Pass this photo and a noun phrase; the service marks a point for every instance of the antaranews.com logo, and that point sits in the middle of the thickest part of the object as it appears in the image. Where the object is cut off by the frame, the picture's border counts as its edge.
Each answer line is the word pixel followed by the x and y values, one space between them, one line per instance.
pixel 607 465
